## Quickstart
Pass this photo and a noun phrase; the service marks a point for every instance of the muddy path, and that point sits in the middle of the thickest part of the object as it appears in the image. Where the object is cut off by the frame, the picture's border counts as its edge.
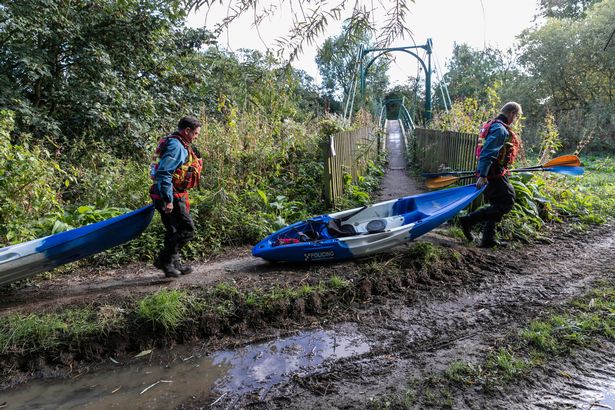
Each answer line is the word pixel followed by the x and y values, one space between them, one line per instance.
pixel 131 280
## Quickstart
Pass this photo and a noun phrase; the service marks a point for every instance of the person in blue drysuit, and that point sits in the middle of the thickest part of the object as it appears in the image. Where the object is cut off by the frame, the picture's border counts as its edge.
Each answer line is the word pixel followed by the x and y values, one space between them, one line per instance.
pixel 178 169
pixel 497 149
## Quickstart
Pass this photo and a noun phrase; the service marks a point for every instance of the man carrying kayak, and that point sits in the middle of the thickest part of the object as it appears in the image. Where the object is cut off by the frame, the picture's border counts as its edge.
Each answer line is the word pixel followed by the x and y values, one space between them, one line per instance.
pixel 496 151
pixel 178 169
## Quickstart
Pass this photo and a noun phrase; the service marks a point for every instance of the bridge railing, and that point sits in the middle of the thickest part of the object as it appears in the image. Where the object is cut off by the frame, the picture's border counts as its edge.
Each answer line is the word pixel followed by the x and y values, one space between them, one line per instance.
pixel 436 150
pixel 348 153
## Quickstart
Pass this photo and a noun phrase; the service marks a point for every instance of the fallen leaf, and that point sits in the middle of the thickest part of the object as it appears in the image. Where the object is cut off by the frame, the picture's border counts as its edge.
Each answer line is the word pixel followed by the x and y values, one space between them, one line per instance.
pixel 144 353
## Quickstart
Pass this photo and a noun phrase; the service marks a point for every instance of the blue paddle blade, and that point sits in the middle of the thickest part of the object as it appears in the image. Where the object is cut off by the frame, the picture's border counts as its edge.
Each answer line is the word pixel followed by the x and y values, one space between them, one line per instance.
pixel 566 170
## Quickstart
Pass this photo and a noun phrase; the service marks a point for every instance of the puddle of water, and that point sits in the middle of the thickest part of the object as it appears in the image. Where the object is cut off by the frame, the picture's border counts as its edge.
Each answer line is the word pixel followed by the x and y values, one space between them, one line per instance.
pixel 608 400
pixel 251 368
pixel 258 367
pixel 599 399
pixel 121 388
pixel 595 394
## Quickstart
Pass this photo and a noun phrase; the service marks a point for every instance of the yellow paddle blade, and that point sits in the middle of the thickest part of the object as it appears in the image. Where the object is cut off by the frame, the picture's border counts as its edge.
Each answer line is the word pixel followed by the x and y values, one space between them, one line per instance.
pixel 564 161
pixel 440 182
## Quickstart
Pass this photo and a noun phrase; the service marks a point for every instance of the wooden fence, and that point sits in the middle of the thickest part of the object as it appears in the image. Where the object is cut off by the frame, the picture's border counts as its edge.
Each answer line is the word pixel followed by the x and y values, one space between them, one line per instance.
pixel 436 151
pixel 348 153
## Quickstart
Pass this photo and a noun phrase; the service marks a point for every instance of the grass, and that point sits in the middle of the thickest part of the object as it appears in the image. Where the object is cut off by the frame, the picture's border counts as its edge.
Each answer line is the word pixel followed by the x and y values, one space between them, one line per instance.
pixel 506 364
pixel 555 198
pixel 425 253
pixel 455 232
pixel 161 312
pixel 335 282
pixel 46 331
pixel 405 400
pixel 461 372
pixel 164 309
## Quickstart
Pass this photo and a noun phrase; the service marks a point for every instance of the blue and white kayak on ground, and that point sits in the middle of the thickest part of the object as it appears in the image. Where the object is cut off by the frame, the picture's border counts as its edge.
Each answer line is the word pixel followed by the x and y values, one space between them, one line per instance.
pixel 29 258
pixel 364 231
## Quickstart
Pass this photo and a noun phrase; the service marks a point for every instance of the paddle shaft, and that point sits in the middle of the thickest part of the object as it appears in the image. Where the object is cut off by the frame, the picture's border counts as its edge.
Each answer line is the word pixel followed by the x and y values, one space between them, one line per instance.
pixel 442 181
pixel 462 173
pixel 562 161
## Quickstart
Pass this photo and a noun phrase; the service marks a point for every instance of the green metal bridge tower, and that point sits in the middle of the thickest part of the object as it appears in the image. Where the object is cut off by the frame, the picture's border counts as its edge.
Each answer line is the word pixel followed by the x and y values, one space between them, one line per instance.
pixel 427 47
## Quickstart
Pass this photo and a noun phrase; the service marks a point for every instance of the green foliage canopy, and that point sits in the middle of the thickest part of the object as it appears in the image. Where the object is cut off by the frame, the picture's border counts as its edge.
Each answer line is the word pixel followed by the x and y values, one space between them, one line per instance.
pixel 83 71
pixel 572 75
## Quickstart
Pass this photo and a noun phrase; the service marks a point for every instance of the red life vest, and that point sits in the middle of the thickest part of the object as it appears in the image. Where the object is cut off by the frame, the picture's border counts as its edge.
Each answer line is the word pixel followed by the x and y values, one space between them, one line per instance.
pixel 508 153
pixel 187 175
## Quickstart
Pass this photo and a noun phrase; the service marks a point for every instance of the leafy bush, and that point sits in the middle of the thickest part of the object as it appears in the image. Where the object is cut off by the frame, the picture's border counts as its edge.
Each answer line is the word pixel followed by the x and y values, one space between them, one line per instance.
pixel 29 179
pixel 548 197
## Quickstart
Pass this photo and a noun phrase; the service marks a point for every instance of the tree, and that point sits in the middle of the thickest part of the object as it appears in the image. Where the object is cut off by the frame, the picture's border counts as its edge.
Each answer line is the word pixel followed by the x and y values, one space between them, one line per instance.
pixel 310 19
pixel 574 77
pixel 471 72
pixel 79 72
pixel 411 95
pixel 561 9
pixel 338 63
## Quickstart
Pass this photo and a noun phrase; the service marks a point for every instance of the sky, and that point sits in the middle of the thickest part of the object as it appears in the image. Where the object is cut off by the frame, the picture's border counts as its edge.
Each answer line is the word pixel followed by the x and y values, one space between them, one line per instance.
pixel 479 23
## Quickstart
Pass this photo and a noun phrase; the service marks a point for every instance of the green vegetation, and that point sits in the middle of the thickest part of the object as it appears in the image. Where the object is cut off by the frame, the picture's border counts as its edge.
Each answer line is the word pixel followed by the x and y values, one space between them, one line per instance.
pixel 338 283
pixel 164 309
pixel 161 313
pixel 542 198
pixel 41 332
pixel 425 253
pixel 405 400
pixel 77 141
pixel 552 198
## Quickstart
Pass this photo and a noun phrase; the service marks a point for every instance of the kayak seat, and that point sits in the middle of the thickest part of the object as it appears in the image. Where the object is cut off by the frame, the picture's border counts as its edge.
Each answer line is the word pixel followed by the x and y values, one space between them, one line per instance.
pixel 376 226
pixel 336 230
pixel 404 206
pixel 414 216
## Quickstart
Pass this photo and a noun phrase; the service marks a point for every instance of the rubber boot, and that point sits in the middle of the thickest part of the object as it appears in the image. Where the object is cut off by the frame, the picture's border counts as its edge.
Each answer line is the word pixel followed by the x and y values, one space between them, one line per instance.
pixel 489 240
pixel 467 222
pixel 184 269
pixel 167 267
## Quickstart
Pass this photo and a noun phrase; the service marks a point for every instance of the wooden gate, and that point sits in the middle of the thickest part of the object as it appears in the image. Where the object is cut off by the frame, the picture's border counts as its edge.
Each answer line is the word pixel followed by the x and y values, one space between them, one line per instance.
pixel 348 153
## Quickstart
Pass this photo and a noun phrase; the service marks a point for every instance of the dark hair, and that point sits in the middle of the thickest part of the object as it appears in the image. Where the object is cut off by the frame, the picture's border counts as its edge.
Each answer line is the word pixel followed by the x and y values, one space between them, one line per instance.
pixel 188 122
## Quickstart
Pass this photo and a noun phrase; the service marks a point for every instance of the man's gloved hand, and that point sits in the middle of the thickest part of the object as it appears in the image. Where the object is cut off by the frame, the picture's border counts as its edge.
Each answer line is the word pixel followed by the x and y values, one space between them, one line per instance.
pixel 481 182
